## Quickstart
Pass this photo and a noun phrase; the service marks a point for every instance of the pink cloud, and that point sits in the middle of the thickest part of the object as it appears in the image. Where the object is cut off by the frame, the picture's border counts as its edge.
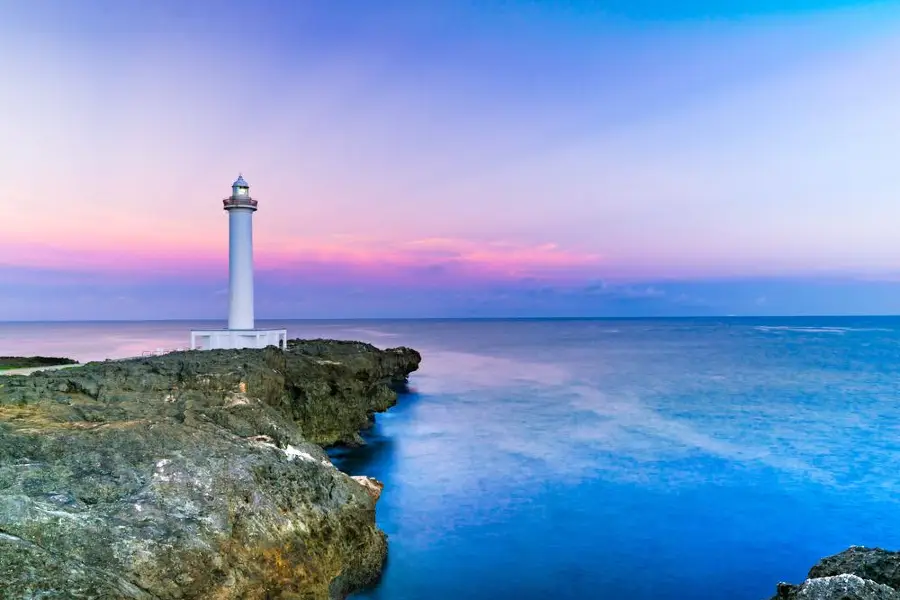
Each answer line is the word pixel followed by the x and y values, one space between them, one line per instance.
pixel 332 258
pixel 496 257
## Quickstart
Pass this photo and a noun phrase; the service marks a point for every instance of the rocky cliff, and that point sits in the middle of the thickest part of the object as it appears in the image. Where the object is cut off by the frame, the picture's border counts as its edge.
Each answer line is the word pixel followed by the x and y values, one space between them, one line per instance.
pixel 193 475
pixel 857 573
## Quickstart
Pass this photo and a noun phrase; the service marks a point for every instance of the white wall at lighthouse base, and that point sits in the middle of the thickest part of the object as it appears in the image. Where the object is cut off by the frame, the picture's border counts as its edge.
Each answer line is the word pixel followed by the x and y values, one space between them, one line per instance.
pixel 227 339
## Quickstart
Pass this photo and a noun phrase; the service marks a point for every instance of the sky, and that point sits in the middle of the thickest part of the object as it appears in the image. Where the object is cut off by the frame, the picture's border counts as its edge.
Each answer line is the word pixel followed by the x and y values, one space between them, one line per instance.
pixel 451 158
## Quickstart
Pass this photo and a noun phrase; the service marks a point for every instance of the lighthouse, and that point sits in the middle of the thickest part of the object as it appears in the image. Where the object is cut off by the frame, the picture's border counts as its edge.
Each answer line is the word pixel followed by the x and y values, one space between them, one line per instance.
pixel 240 207
pixel 241 331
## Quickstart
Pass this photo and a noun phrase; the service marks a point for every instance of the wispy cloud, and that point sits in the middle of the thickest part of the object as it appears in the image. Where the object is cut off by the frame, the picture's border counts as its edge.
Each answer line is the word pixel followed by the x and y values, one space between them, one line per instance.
pixel 351 256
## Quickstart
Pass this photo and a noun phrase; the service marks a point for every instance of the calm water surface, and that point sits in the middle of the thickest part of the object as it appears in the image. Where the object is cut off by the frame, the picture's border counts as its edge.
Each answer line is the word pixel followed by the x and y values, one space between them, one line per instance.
pixel 647 459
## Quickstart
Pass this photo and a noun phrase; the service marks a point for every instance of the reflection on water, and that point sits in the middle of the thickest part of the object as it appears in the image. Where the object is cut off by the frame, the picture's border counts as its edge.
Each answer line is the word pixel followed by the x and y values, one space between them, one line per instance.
pixel 581 459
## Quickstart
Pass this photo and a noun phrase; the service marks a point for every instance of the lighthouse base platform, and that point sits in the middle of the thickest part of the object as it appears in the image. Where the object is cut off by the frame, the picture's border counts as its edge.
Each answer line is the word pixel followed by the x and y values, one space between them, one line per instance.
pixel 232 339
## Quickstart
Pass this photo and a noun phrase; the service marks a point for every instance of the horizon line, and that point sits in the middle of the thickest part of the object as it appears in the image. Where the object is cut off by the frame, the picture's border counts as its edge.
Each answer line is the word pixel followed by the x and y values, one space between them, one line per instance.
pixel 415 319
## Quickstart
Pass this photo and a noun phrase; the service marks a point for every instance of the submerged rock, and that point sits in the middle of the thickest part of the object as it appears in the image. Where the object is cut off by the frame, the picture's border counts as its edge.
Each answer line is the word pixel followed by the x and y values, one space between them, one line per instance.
pixel 192 475
pixel 857 573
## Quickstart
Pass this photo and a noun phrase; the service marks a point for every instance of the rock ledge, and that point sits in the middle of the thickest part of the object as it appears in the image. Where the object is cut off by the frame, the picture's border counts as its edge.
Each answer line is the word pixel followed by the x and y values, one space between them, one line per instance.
pixel 193 475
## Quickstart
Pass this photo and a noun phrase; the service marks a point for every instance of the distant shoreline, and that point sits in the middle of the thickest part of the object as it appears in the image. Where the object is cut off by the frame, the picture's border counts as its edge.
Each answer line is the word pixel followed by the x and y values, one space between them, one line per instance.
pixel 30 370
pixel 25 365
pixel 729 317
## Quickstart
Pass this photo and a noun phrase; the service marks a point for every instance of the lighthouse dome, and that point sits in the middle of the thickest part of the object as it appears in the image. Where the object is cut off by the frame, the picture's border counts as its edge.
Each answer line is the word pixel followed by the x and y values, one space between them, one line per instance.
pixel 239 182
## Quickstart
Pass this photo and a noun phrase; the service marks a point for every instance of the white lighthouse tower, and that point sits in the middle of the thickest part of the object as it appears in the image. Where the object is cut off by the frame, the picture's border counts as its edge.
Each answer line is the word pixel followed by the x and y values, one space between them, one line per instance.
pixel 240 207
pixel 241 332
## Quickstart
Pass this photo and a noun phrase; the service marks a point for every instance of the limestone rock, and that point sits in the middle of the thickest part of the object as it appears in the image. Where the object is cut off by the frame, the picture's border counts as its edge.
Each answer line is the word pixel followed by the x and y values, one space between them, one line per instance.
pixel 879 565
pixel 837 587
pixel 371 485
pixel 856 573
pixel 165 478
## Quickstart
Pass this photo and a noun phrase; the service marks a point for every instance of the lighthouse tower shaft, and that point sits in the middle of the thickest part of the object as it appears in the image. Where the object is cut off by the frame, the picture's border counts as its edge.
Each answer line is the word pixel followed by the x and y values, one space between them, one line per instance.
pixel 240 267
pixel 241 332
pixel 240 207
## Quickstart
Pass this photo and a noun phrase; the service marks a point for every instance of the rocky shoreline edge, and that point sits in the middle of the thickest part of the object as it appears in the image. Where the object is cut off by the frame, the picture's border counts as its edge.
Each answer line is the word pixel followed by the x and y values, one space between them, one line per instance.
pixel 194 474
pixel 858 573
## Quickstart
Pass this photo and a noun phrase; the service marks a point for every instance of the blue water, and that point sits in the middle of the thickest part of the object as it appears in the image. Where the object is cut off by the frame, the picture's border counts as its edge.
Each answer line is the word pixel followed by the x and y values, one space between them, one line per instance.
pixel 647 459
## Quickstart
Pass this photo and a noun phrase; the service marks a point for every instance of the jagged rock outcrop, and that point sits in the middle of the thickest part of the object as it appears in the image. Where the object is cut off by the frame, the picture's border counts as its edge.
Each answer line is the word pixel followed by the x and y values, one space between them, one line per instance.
pixel 857 573
pixel 192 475
pixel 371 485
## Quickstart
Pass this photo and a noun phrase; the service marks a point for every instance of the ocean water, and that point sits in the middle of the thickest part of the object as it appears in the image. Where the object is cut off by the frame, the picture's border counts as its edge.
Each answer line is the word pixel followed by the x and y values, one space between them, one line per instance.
pixel 645 459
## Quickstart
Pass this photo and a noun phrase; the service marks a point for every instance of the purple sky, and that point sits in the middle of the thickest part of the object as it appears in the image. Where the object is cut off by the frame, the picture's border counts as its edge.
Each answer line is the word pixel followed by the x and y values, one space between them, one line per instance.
pixel 451 158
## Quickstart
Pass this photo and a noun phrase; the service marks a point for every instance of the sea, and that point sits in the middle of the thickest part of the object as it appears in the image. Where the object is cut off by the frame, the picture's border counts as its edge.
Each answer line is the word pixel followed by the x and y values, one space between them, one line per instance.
pixel 663 459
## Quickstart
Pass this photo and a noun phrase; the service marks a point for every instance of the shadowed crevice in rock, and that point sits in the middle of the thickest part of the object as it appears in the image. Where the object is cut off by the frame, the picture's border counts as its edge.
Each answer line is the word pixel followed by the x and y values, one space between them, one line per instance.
pixel 193 475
